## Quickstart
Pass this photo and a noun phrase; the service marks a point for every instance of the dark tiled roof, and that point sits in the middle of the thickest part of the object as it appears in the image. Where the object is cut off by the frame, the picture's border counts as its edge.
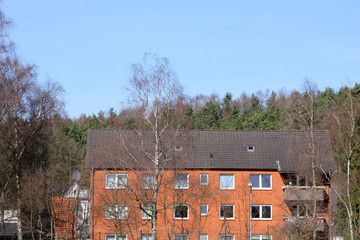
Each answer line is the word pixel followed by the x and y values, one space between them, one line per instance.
pixel 209 149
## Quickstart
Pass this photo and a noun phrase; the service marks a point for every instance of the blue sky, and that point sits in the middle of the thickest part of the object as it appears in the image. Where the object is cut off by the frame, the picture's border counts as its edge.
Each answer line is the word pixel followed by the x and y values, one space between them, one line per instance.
pixel 88 46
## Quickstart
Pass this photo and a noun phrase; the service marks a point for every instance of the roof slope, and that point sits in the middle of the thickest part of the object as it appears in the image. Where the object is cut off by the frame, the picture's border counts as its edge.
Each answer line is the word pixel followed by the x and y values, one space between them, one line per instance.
pixel 210 149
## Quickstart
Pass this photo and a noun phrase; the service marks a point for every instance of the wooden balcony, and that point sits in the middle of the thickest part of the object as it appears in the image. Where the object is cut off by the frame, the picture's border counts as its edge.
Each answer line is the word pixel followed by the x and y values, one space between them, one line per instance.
pixel 305 193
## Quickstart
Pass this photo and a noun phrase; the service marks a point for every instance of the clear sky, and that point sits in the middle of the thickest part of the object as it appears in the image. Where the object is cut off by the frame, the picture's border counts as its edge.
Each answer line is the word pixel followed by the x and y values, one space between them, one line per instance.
pixel 237 46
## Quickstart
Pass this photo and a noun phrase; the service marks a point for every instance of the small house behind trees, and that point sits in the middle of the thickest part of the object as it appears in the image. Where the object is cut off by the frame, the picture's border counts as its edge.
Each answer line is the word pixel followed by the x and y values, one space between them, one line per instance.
pixel 201 183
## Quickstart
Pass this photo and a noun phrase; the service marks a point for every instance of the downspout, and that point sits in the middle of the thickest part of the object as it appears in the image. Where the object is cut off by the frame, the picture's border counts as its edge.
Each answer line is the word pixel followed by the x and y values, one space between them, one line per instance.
pixel 92 203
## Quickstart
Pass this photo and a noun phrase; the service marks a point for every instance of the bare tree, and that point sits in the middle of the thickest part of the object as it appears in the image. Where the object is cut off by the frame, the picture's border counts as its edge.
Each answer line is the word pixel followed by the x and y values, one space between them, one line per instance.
pixel 303 117
pixel 156 90
pixel 342 121
pixel 25 110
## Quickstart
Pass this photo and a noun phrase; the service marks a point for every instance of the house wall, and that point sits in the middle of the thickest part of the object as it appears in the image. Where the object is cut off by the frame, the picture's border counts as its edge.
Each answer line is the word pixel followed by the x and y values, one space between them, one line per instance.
pixel 212 195
pixel 64 218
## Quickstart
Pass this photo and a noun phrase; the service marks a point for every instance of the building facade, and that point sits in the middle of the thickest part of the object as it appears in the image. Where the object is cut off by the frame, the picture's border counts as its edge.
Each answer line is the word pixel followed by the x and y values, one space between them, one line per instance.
pixel 209 185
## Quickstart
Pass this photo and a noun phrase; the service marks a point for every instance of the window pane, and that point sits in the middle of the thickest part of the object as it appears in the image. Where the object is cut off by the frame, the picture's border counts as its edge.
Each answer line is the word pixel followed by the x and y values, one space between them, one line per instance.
pixel 226 181
pixel 302 181
pixel 146 237
pixel 302 211
pixel 121 180
pixel 294 210
pixel 266 181
pixel 110 237
pixel 110 212
pixel 254 179
pixel 148 181
pixel 122 237
pixel 181 211
pixel 146 213
pixel 266 212
pixel 122 212
pixel 181 237
pixel 255 237
pixel 203 209
pixel 181 181
pixel 266 237
pixel 226 211
pixel 255 211
pixel 203 179
pixel 226 237
pixel 203 237
pixel 294 180
pixel 110 182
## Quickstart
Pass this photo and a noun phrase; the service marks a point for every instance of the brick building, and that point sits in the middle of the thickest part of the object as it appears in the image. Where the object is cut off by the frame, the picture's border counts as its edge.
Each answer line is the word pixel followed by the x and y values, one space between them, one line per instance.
pixel 197 184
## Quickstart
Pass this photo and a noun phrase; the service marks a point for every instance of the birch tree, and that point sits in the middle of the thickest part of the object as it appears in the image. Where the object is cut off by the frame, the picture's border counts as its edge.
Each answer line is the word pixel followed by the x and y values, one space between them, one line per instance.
pixel 303 118
pixel 155 89
pixel 342 121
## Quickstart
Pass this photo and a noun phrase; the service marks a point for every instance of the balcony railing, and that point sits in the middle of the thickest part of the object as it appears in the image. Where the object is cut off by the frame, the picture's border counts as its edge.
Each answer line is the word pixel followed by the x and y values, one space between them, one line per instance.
pixel 292 223
pixel 304 193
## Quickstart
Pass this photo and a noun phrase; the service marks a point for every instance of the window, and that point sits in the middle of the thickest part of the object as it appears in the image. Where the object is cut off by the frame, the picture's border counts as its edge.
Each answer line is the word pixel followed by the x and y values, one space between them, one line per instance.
pixel 181 237
pixel 204 237
pixel 203 210
pixel 181 181
pixel 147 236
pixel 181 211
pixel 115 211
pixel 261 212
pixel 227 181
pixel 227 212
pixel 204 179
pixel 146 212
pixel 300 211
pixel 148 181
pixel 251 149
pixel 261 237
pixel 116 181
pixel 115 237
pixel 226 237
pixel 261 181
pixel 301 181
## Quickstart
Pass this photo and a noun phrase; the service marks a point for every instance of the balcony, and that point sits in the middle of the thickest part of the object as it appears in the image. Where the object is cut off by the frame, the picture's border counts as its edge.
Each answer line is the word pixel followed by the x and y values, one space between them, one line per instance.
pixel 304 193
pixel 304 223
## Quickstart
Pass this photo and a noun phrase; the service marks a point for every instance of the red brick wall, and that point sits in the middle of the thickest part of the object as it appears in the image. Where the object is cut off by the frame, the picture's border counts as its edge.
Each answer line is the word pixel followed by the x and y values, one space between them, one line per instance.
pixel 210 224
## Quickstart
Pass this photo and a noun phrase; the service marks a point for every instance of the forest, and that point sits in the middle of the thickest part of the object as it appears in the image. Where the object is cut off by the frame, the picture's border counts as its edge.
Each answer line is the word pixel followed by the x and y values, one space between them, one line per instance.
pixel 41 147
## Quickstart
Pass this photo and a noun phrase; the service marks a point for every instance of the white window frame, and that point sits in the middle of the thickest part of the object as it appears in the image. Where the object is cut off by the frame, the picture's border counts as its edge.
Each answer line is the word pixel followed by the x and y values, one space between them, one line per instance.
pixel 183 236
pixel 146 236
pixel 261 237
pixel 180 205
pixel 145 216
pixel 226 205
pixel 116 184
pixel 116 237
pixel 204 235
pixel 227 187
pixel 260 182
pixel 225 236
pixel 177 185
pixel 260 212
pixel 207 179
pixel 207 210
pixel 110 215
pixel 150 182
